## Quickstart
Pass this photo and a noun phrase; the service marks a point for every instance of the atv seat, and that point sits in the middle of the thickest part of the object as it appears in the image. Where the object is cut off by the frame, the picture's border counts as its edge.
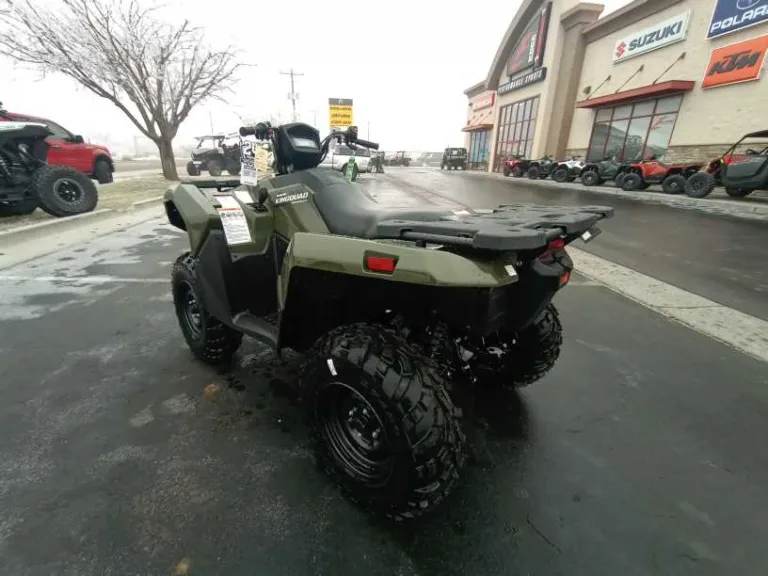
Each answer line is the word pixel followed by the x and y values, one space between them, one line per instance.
pixel 348 210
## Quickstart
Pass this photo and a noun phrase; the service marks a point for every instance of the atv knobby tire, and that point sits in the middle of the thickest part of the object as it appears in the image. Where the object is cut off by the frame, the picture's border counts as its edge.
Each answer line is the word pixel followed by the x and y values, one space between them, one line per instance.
pixel 591 178
pixel 700 185
pixel 560 175
pixel 531 353
pixel 192 169
pixel 19 208
pixel 214 168
pixel 632 182
pixel 673 184
pixel 381 421
pixel 209 340
pixel 534 173
pixel 507 171
pixel 517 172
pixel 63 191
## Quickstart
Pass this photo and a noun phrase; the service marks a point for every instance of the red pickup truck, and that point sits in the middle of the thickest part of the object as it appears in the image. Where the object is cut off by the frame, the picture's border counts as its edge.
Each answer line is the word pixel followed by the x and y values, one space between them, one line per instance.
pixel 67 149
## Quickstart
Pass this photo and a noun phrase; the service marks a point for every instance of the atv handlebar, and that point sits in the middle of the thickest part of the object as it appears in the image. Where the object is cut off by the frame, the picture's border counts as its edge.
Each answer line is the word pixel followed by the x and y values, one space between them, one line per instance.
pixel 367 144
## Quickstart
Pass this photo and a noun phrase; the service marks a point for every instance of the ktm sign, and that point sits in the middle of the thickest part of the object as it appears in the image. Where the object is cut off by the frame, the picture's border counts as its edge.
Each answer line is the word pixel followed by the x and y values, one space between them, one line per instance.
pixel 740 62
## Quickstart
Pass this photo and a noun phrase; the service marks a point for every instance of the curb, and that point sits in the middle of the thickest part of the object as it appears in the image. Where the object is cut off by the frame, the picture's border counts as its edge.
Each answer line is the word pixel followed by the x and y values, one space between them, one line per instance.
pixel 715 206
pixel 59 224
pixel 147 201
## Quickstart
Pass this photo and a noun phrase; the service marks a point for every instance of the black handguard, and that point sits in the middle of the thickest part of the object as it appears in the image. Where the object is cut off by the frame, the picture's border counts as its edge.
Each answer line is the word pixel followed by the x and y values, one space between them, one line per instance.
pixel 260 131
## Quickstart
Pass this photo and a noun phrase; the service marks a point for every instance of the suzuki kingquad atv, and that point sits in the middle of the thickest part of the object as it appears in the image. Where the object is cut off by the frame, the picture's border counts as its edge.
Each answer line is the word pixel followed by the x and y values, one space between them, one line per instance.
pixel 672 177
pixel 389 305
pixel 540 169
pixel 569 170
pixel 610 168
pixel 741 174
pixel 27 181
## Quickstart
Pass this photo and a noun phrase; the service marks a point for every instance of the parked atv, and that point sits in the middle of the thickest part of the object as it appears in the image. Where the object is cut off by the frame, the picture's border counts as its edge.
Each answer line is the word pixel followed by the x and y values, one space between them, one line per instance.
pixel 672 177
pixel 541 168
pixel 516 166
pixel 455 158
pixel 741 174
pixel 569 170
pixel 390 306
pixel 399 159
pixel 596 173
pixel 215 155
pixel 27 181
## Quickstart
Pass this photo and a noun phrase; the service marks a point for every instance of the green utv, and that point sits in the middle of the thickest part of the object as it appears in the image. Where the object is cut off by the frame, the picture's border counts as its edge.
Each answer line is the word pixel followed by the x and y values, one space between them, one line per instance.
pixel 390 306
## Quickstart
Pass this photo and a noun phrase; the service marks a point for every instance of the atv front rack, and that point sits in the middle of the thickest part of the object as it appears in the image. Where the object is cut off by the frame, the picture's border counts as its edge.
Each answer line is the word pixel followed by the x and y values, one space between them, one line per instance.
pixel 510 227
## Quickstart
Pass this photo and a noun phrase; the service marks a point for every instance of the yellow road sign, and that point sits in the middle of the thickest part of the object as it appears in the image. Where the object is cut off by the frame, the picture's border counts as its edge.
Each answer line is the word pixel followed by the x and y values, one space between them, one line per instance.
pixel 340 112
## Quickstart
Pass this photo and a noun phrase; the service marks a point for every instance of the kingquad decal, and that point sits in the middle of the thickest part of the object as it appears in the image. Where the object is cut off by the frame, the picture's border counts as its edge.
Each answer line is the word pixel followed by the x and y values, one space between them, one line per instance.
pixel 291 198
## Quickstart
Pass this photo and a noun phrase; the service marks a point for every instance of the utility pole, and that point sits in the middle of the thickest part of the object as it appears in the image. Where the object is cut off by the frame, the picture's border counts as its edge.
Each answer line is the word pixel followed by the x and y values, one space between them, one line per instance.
pixel 293 96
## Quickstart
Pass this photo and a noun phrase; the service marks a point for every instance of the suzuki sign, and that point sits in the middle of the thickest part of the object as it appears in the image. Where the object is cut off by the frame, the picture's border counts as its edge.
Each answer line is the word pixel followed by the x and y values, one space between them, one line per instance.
pixel 732 15
pixel 663 34
pixel 735 63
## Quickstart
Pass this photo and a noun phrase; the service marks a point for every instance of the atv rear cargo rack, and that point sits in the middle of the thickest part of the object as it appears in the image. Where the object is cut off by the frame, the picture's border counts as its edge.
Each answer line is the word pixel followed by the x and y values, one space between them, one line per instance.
pixel 510 227
pixel 217 184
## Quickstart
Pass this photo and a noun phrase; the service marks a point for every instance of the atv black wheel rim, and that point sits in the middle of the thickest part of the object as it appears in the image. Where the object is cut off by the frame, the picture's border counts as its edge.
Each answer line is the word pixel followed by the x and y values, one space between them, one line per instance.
pixel 191 313
pixel 68 191
pixel 354 434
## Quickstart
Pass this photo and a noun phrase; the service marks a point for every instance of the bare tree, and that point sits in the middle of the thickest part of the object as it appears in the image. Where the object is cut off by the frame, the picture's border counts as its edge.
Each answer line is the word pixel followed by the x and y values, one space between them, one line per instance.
pixel 155 72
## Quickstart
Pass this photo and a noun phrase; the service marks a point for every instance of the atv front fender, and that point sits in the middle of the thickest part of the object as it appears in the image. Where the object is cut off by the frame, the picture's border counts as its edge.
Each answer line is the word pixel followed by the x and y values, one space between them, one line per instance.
pixel 194 210
pixel 421 266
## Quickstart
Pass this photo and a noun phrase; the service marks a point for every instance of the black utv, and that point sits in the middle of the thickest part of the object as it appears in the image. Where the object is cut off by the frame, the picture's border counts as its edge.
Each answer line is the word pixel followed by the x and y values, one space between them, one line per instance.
pixel 454 158
pixel 215 154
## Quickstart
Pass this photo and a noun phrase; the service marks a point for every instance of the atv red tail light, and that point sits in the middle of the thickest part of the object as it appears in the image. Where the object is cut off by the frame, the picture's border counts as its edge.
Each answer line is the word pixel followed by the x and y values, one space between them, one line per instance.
pixel 557 243
pixel 564 277
pixel 383 264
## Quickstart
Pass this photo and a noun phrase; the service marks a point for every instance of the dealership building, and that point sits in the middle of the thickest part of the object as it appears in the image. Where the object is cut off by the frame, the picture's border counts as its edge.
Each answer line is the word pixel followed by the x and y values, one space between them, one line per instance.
pixel 679 79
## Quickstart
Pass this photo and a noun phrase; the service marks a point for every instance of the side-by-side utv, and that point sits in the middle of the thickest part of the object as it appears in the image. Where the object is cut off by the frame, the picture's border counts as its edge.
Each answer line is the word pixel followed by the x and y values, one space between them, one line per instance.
pixel 391 306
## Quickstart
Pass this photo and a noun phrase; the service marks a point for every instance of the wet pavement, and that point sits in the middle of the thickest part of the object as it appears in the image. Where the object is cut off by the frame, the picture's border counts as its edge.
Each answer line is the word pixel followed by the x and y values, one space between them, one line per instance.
pixel 639 453
pixel 724 259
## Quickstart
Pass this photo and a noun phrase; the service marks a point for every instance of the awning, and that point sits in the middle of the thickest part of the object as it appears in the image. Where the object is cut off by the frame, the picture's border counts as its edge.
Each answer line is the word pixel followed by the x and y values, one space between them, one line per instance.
pixel 650 91
pixel 477 127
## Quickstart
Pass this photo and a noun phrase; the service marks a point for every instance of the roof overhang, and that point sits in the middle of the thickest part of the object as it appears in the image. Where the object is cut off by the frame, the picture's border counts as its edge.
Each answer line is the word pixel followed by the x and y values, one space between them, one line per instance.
pixel 477 127
pixel 649 91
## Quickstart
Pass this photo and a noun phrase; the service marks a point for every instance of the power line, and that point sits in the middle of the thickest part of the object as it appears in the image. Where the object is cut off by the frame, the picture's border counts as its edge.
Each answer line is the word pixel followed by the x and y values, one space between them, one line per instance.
pixel 293 96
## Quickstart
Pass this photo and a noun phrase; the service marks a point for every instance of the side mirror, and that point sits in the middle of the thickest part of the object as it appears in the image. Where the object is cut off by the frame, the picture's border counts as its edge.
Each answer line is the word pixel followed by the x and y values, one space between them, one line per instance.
pixel 78 140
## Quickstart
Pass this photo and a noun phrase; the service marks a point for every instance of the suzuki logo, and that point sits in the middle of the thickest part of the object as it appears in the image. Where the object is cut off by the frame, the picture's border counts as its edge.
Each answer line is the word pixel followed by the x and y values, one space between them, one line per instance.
pixel 620 49
pixel 745 4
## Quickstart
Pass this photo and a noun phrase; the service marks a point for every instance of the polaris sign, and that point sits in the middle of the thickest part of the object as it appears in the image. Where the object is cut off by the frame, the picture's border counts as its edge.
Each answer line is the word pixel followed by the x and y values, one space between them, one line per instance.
pixel 663 34
pixel 732 15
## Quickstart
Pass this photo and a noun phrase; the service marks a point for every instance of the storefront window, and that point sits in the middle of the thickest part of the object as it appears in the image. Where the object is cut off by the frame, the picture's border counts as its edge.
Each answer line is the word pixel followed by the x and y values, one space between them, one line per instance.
pixel 634 131
pixel 479 149
pixel 517 123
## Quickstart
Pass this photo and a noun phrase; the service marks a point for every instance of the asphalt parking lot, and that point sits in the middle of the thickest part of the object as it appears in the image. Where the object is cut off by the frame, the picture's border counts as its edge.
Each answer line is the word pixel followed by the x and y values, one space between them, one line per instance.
pixel 638 454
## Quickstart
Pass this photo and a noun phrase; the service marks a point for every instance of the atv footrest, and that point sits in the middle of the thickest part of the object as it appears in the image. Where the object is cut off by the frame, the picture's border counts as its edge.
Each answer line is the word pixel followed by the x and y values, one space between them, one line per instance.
pixel 511 227
pixel 259 328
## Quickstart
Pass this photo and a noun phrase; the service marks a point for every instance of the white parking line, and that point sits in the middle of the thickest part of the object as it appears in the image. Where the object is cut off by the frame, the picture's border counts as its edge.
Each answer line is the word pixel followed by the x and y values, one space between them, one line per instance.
pixel 741 331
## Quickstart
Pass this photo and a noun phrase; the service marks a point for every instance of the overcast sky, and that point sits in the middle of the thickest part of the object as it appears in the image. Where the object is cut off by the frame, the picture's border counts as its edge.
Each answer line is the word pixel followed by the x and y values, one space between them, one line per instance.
pixel 405 64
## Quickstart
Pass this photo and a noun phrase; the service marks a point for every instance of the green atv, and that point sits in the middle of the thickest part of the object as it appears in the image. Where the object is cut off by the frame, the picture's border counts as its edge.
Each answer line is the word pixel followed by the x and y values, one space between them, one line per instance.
pixel 391 307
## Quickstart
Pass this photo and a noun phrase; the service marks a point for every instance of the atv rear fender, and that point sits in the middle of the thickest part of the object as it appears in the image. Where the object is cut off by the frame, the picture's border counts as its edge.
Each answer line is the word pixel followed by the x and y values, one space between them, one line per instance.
pixel 325 281
pixel 196 210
